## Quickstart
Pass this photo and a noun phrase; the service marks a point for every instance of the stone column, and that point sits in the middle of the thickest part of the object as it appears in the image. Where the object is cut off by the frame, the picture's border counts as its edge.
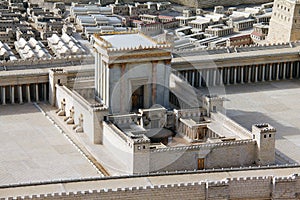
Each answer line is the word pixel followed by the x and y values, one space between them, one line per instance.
pixel 263 73
pixel 28 93
pixel 12 94
pixel 284 71
pixel 107 86
pixel 291 70
pixel 215 77
pixel 249 75
pixel 193 78
pixel 235 75
pixel 3 95
pixel 200 78
pixel 37 92
pixel 207 77
pixel 297 69
pixel 20 94
pixel 271 72
pixel 256 73
pixel 45 91
pixel 221 76
pixel 154 81
pixel 277 71
pixel 242 74
pixel 228 75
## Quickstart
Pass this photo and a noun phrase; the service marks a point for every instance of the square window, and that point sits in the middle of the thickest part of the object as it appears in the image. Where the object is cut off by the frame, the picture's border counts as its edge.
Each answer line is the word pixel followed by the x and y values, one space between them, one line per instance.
pixel 265 136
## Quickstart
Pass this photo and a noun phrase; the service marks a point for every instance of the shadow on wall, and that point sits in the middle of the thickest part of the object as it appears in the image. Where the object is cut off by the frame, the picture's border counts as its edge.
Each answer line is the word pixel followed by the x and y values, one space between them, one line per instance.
pixel 247 119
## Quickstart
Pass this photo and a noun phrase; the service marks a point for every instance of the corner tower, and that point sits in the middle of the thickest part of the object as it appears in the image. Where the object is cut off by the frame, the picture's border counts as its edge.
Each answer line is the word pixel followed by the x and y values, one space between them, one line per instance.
pixel 285 21
pixel 131 71
pixel 264 134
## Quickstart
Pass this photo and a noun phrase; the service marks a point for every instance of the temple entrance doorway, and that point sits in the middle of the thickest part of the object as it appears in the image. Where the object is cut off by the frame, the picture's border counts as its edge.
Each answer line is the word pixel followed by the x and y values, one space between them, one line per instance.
pixel 200 163
pixel 137 99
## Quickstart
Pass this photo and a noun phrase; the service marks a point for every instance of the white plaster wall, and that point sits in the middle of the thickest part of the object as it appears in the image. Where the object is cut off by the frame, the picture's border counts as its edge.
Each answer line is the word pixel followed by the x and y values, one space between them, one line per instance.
pixel 215 157
pixel 231 156
pixel 118 147
pixel 133 72
pixel 79 107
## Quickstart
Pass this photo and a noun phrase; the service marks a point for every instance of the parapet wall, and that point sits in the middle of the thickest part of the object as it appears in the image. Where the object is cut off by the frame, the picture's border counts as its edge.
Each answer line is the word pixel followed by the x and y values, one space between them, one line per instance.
pixel 53 61
pixel 186 158
pixel 232 125
pixel 231 188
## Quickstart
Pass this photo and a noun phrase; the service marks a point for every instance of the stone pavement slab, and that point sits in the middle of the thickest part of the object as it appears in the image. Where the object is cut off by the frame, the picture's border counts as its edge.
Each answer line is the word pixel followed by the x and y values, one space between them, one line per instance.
pixel 276 103
pixel 32 149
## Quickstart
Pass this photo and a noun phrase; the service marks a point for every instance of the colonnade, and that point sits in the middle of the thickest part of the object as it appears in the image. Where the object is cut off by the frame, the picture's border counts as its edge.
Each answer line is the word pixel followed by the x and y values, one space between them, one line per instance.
pixel 23 93
pixel 241 74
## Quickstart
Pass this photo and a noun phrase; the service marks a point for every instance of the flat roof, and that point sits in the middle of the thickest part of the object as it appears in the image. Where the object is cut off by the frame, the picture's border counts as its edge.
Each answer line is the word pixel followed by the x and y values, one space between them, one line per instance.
pixel 128 40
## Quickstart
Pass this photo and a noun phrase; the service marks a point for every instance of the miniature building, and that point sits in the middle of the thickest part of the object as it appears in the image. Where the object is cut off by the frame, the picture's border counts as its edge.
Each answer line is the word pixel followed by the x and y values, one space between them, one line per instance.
pixel 240 40
pixel 219 30
pixel 129 113
pixel 116 55
pixel 65 45
pixel 284 23
pixel 260 32
pixel 31 49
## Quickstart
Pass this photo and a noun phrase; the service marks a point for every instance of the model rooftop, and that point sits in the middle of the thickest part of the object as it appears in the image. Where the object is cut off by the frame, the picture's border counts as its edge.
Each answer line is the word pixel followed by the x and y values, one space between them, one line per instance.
pixel 128 40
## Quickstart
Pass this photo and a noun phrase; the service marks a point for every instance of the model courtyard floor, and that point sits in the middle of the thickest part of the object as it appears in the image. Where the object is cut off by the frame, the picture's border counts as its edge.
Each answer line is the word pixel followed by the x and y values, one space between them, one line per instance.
pixel 276 103
pixel 32 149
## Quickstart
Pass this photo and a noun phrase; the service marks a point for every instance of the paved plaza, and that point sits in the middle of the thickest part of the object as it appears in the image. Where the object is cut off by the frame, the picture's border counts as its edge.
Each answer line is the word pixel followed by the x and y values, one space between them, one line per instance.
pixel 276 103
pixel 32 149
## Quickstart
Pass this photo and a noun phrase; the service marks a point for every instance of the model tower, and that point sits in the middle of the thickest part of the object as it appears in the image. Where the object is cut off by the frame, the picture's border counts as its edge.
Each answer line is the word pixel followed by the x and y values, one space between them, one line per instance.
pixel 285 21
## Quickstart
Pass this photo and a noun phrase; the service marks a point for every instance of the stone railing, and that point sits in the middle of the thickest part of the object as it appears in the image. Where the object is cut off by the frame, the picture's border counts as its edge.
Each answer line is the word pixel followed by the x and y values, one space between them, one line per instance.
pixel 232 125
pixel 123 119
pixel 204 146
pixel 117 131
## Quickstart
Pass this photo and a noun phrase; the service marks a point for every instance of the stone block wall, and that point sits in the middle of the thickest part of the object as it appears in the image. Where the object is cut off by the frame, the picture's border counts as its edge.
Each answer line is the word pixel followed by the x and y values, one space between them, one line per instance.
pixel 258 188
pixel 218 155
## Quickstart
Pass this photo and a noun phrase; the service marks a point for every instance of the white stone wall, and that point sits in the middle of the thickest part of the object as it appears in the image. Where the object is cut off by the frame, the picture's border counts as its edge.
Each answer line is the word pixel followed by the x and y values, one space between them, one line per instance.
pixel 230 154
pixel 230 188
pixel 91 119
pixel 118 147
pixel 134 76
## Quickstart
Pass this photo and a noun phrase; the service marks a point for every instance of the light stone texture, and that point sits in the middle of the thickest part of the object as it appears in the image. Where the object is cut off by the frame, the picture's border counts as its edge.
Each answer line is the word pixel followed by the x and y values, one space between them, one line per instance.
pixel 276 103
pixel 32 149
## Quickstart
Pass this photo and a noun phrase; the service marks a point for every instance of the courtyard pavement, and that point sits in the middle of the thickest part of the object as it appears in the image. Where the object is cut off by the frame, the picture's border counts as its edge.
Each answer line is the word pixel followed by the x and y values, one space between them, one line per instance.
pixel 277 103
pixel 32 149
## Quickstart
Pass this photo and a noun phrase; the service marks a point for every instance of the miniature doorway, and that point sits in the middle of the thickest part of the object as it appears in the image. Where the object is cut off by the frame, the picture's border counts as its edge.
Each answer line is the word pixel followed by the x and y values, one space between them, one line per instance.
pixel 137 99
pixel 200 163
